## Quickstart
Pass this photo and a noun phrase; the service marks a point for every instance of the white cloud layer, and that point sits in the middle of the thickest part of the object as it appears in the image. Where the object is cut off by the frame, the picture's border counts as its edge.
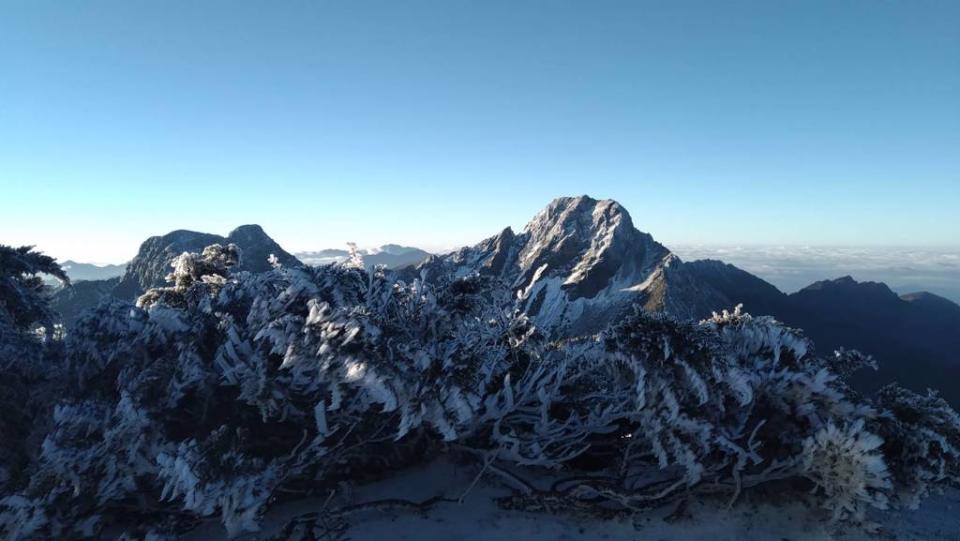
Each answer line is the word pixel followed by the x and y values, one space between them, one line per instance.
pixel 790 268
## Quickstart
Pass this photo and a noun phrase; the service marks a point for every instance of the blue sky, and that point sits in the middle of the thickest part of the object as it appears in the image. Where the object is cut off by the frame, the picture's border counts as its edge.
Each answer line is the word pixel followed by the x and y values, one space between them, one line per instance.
pixel 437 123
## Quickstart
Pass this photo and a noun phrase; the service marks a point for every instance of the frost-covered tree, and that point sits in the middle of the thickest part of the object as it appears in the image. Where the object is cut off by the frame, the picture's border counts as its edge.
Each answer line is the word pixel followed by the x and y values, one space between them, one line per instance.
pixel 23 297
pixel 26 329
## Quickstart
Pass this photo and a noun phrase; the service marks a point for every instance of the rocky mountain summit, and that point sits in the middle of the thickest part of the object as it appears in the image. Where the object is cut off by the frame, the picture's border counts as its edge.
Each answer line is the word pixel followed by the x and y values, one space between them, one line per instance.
pixel 151 265
pixel 152 262
pixel 579 264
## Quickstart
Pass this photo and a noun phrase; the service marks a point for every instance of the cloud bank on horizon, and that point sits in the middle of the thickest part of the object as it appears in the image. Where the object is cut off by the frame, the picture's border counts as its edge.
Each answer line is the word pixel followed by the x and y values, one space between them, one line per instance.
pixel 791 268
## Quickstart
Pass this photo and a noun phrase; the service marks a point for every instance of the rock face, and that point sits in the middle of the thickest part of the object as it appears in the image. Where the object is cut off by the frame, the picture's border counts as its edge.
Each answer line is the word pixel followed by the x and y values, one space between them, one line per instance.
pixel 579 263
pixel 152 262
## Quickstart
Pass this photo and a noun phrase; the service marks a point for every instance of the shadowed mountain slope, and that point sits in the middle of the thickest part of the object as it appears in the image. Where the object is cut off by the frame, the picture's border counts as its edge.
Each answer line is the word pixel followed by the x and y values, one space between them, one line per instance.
pixel 915 338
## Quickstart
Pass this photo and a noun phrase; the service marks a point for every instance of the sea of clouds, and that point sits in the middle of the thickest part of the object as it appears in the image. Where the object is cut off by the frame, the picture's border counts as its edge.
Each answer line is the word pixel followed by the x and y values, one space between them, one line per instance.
pixel 790 268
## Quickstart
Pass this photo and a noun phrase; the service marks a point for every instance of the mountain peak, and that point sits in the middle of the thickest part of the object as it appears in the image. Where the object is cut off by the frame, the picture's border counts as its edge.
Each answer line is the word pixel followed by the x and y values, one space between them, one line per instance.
pixel 861 297
pixel 590 241
pixel 578 214
pixel 248 231
pixel 848 283
pixel 152 263
pixel 579 262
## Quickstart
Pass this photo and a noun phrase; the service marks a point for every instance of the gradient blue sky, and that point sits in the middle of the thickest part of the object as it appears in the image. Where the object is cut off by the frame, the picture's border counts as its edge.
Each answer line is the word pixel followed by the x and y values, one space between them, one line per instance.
pixel 437 123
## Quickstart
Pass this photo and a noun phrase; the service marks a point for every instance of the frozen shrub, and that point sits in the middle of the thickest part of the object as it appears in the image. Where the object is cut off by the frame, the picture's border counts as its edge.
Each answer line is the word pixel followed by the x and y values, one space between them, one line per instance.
pixel 847 466
pixel 922 435
pixel 225 391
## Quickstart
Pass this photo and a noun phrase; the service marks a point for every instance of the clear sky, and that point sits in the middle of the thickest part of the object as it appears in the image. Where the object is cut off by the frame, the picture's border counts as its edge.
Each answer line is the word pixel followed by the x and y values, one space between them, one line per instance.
pixel 438 123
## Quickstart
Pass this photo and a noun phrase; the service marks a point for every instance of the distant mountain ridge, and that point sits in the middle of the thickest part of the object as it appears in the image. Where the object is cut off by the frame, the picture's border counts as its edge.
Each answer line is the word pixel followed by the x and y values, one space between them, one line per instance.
pixel 935 269
pixel 580 263
pixel 88 271
pixel 392 256
pixel 72 301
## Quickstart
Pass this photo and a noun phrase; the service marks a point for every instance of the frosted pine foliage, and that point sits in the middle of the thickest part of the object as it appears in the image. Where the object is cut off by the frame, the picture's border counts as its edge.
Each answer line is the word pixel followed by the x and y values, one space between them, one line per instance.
pixel 925 432
pixel 208 268
pixel 30 355
pixel 20 517
pixel 221 393
pixel 847 466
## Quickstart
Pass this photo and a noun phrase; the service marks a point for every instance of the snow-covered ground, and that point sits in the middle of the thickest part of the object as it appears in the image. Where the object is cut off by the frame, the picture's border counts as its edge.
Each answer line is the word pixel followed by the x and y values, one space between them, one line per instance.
pixel 479 519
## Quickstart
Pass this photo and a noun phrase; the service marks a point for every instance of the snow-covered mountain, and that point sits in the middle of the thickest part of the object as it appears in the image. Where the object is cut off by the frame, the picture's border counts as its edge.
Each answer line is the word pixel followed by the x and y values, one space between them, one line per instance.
pixel 152 262
pixel 392 256
pixel 579 264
